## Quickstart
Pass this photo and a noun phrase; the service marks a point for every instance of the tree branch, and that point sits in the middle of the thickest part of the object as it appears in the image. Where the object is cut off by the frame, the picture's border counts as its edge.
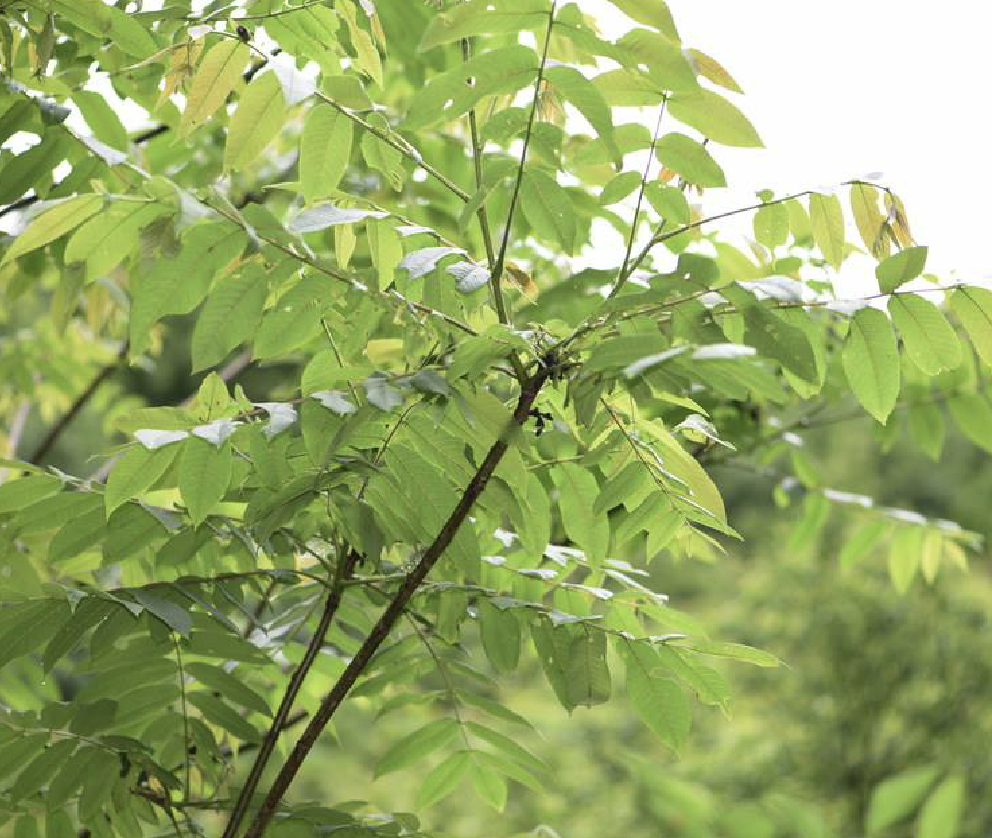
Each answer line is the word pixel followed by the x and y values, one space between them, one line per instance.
pixel 395 609
pixel 59 427
pixel 345 569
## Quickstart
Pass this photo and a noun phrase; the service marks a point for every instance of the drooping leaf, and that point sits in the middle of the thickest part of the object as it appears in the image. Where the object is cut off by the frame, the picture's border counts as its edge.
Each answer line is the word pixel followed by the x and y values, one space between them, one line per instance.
pixel 930 341
pixel 657 699
pixel 871 362
pixel 973 306
pixel 136 472
pixel 941 814
pixel 548 209
pixel 444 779
pixel 896 797
pixel 827 223
pixel 219 71
pixel 325 149
pixel 579 490
pixel 231 313
pixel 259 117
pixel 204 476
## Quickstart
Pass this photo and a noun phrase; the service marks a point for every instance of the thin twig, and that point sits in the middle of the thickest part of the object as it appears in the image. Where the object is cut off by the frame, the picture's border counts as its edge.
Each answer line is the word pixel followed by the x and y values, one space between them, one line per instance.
pixel 624 274
pixel 403 148
pixel 481 214
pixel 395 609
pixel 187 763
pixel 497 272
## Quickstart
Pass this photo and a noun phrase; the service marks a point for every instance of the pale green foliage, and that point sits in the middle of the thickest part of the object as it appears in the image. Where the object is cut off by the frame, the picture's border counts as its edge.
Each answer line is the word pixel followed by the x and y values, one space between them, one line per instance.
pixel 528 433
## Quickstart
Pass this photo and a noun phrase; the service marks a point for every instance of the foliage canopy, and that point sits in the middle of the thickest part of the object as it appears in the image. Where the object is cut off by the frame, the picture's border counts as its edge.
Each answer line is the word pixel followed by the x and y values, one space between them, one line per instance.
pixel 470 435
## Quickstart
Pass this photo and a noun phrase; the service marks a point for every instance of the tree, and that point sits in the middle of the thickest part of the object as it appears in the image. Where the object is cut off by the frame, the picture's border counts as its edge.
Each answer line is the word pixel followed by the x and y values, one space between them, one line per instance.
pixel 468 438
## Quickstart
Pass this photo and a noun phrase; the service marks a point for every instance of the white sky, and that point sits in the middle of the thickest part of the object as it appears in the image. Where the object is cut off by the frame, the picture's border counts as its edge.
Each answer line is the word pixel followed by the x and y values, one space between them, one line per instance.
pixel 848 87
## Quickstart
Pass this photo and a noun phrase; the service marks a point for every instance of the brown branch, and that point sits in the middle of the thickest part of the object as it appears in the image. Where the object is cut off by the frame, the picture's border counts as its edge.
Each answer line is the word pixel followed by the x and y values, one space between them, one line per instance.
pixel 59 427
pixel 395 609
pixel 279 721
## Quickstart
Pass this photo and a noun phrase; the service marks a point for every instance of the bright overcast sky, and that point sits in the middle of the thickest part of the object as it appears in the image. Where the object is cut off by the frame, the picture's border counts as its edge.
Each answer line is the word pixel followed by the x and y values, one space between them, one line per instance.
pixel 845 88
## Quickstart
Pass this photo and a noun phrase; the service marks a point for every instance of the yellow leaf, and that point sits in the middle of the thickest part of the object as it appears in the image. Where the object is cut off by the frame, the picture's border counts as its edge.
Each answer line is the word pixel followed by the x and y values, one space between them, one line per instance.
pixel 259 117
pixel 218 73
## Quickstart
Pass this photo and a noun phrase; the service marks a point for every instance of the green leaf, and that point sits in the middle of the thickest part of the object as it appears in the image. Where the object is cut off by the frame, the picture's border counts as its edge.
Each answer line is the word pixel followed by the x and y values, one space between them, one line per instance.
pixel 230 316
pixel 574 87
pixel 174 616
pixel 53 223
pixel 325 149
pixel 260 116
pixel 219 71
pixel 78 535
pixel 588 675
pixel 690 160
pixel 905 550
pixel 651 13
pixel 509 747
pixel 827 221
pixel 871 362
pixel 930 341
pixel 449 95
pixel 18 753
pixel 217 712
pixel 105 240
pixel 178 285
pixel 101 118
pixel 91 611
pixel 900 268
pixel 735 651
pixel 553 645
pixel 669 202
pixel 619 188
pixel 667 66
pixel 548 209
pixel 973 306
pixel 628 88
pixel 230 686
pixel 941 814
pixel 415 746
pixel 41 769
pixel 973 415
pixel 896 797
pixel 204 475
pixel 489 785
pixel 715 118
pixel 659 701
pixel 25 491
pixel 579 490
pixel 771 225
pixel 483 17
pixel 136 472
pixel 927 429
pixel 500 630
pixel 444 779
pixel 28 625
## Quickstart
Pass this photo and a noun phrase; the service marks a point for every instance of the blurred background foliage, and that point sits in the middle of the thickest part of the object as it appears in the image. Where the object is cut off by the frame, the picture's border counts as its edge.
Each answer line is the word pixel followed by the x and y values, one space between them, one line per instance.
pixel 877 684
